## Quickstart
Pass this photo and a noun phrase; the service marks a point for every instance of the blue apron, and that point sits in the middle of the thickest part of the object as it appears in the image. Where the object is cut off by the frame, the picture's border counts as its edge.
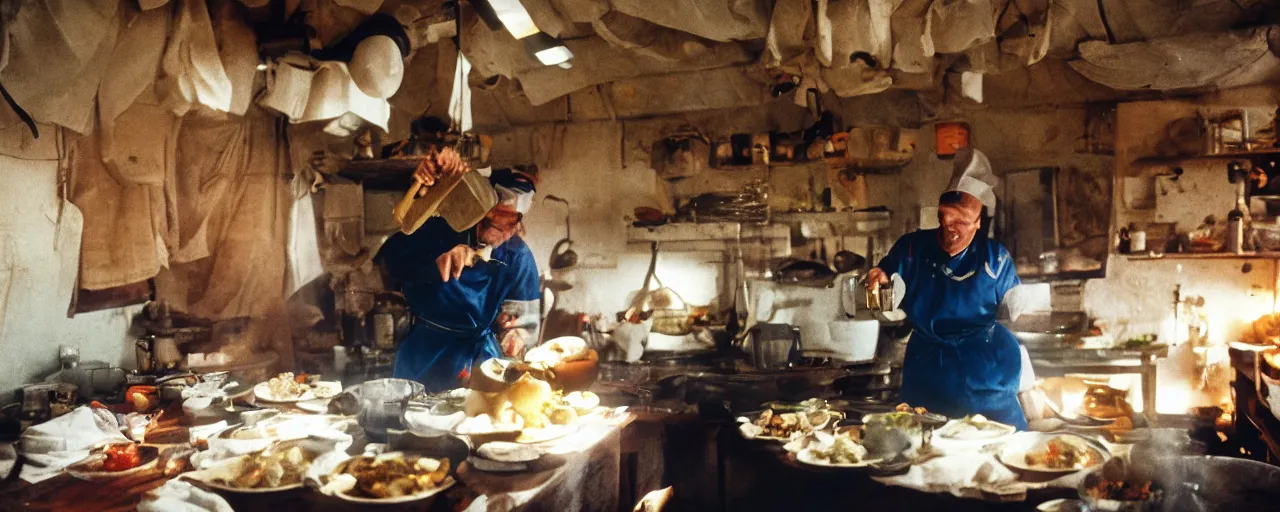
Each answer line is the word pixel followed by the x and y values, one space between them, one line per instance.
pixel 959 361
pixel 441 358
pixel 453 320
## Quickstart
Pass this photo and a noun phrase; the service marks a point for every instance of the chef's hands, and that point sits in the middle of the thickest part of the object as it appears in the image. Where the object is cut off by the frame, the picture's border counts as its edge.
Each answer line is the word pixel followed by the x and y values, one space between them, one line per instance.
pixel 876 277
pixel 445 163
pixel 512 339
pixel 513 342
pixel 453 262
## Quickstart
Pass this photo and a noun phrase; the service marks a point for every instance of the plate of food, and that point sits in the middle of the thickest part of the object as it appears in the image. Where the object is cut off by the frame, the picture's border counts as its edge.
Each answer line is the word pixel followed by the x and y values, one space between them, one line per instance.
pixel 284 388
pixel 505 457
pixel 841 449
pixel 975 429
pixel 528 412
pixel 389 478
pixel 1106 495
pixel 115 461
pixel 769 425
pixel 1052 453
pixel 277 468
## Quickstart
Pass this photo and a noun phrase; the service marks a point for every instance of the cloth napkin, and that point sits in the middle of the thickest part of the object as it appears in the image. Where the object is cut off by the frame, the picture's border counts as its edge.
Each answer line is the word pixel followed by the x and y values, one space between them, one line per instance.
pixel 8 457
pixel 180 496
pixel 962 475
pixel 55 444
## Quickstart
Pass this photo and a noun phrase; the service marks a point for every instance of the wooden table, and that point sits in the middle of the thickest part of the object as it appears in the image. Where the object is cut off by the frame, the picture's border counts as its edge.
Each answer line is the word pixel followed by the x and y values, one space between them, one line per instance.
pixel 757 478
pixel 585 479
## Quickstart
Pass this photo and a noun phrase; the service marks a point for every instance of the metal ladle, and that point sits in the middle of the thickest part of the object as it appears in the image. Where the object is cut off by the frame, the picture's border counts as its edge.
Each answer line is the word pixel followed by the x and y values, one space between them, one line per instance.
pixel 562 255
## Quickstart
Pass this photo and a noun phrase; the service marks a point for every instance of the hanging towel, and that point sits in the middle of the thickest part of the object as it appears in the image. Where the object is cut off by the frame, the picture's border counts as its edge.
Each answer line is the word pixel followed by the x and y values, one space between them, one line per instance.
pixel 191 70
pixel 304 249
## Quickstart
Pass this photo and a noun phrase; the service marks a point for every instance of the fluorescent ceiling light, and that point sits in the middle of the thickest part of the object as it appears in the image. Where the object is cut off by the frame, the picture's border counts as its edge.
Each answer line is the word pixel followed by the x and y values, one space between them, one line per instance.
pixel 514 16
pixel 548 50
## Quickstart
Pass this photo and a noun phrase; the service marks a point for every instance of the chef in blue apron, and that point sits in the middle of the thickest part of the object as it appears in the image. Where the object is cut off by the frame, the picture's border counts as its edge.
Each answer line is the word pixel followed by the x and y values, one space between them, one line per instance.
pixel 462 304
pixel 959 361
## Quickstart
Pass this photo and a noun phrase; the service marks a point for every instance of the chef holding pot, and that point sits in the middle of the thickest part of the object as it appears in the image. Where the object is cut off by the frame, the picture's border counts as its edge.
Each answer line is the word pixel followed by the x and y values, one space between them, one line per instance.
pixel 959 360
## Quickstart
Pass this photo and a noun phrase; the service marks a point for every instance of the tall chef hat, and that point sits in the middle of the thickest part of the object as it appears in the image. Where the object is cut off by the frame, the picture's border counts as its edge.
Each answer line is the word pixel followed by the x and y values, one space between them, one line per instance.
pixel 973 176
pixel 515 189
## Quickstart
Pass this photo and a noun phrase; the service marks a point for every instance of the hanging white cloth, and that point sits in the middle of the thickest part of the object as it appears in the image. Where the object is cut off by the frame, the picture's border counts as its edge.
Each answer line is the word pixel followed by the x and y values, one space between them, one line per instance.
pixel 58 51
pixel 192 70
pixel 460 98
pixel 306 90
pixel 304 246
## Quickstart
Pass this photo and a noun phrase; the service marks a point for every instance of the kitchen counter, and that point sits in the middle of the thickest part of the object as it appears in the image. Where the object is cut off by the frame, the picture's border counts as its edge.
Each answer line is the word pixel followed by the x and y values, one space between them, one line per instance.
pixel 1059 361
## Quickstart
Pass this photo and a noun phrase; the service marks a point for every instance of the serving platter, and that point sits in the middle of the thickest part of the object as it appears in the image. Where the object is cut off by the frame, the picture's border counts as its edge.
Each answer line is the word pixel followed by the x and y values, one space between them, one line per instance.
pixel 412 498
pixel 208 478
pixel 965 433
pixel 263 392
pixel 1016 448
pixel 90 468
pixel 807 458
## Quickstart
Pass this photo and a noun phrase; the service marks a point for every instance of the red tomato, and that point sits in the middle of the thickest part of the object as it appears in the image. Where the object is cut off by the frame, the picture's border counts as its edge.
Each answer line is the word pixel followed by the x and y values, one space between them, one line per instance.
pixel 121 457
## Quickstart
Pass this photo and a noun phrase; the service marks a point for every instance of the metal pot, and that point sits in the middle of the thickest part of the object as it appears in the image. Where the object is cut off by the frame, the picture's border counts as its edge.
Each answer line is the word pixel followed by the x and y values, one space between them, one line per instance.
pixel 773 346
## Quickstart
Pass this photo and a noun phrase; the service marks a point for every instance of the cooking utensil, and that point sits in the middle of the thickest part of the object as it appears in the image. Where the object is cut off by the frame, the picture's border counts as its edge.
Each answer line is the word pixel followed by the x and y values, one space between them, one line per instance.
pixel 462 199
pixel 805 273
pixel 1077 420
pixel 1118 471
pixel 846 261
pixel 774 346
pixel 880 297
pixel 855 340
pixel 382 405
pixel 562 254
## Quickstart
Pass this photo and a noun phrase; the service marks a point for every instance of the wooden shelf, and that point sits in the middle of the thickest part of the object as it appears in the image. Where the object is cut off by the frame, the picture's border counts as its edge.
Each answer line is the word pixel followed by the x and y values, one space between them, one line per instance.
pixel 1157 160
pixel 1065 275
pixel 712 231
pixel 1209 256
pixel 712 237
pixel 842 223
pixel 871 166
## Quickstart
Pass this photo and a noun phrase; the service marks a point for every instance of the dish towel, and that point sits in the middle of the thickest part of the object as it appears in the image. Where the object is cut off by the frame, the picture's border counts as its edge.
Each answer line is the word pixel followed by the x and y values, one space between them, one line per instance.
pixel 180 496
pixel 8 457
pixel 304 246
pixel 55 444
pixel 962 475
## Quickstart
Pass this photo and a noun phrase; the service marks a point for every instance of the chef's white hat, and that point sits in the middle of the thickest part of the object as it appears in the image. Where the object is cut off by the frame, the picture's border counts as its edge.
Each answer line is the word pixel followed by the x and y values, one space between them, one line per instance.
pixel 973 176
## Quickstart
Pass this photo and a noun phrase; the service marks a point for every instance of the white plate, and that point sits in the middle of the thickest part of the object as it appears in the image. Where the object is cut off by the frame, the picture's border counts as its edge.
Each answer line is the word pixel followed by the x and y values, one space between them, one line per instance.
pixel 263 392
pixel 956 432
pixel 545 434
pixel 259 490
pixel 805 456
pixel 1018 445
pixel 494 466
pixel 747 429
pixel 508 452
pixel 318 405
pixel 231 467
pixel 90 468
pixel 1061 505
pixel 445 485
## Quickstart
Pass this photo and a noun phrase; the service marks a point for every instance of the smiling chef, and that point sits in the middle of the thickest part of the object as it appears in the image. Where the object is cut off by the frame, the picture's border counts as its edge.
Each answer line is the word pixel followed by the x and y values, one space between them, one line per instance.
pixel 959 361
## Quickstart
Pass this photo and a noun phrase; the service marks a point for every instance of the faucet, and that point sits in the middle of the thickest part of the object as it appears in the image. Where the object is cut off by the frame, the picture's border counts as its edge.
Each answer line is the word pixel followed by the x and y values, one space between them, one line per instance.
pixel 1177 305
